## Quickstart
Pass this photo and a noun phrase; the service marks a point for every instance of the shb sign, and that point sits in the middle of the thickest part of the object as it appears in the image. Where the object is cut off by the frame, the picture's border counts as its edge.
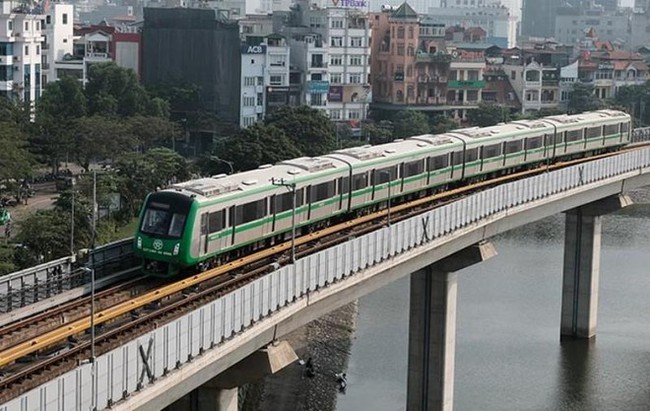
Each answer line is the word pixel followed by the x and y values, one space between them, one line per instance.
pixel 359 4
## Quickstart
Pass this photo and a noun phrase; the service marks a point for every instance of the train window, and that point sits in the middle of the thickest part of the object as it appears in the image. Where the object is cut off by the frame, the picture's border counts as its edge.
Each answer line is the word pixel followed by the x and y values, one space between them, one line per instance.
pixel 559 138
pixel 384 175
pixel 250 212
pixel 284 202
pixel 413 168
pixel 493 150
pixel 533 143
pixel 204 223
pixel 438 162
pixel 457 158
pixel 322 191
pixel 513 146
pixel 471 154
pixel 217 221
pixel 359 181
pixel 573 135
pixel 345 185
pixel 611 129
pixel 625 127
pixel 548 139
pixel 594 132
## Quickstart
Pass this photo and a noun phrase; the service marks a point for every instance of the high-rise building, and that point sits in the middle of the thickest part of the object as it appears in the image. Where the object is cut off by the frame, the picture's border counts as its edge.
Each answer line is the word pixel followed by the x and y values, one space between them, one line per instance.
pixel 58 38
pixel 538 17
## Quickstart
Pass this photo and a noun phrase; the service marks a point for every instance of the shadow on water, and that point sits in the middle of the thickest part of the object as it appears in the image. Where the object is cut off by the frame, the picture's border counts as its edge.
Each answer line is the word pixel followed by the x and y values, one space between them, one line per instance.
pixel 575 375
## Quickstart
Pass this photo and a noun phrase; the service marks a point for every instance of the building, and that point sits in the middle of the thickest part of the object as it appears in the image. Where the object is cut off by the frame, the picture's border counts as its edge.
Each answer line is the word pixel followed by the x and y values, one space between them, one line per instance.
pixel 538 18
pixel 21 37
pixel 267 6
pixel 265 74
pixel 497 20
pixel 572 24
pixel 58 39
pixel 195 46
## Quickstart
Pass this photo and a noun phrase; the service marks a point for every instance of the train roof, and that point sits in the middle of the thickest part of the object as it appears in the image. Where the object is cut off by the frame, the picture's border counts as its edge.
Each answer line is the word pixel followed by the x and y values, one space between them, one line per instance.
pixel 589 117
pixel 222 184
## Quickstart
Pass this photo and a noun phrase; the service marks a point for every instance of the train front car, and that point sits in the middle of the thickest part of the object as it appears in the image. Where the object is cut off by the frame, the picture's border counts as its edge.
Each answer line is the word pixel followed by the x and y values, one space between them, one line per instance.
pixel 163 236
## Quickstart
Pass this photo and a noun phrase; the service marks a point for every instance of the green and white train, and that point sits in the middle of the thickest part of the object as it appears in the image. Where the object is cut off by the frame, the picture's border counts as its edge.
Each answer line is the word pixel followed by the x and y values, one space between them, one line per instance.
pixel 193 224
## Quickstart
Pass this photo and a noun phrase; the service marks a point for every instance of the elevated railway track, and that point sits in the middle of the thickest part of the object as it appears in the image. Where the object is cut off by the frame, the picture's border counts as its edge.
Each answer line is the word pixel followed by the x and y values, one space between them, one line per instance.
pixel 32 352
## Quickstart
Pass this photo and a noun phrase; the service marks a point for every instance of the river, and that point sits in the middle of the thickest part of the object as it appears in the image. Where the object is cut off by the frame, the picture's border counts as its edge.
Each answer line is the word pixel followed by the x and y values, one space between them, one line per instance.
pixel 508 352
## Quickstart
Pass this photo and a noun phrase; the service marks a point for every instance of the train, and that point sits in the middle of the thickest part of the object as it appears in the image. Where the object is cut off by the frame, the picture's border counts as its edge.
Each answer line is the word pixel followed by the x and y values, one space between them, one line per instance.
pixel 197 224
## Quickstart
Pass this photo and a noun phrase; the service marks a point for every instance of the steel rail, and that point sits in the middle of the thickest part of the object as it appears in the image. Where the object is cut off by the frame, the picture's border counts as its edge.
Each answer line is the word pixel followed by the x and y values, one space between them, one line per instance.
pixel 50 338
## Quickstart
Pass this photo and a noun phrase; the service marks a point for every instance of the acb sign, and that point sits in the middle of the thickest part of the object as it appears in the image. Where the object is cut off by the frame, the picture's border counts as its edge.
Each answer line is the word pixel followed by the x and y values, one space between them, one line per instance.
pixel 259 49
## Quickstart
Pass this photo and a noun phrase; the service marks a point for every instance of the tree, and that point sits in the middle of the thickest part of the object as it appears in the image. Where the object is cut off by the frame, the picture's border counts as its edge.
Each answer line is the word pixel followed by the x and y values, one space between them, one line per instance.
pixel 378 133
pixel 408 123
pixel 488 115
pixel 255 145
pixel 98 137
pixel 312 133
pixel 58 108
pixel 441 124
pixel 152 130
pixel 582 98
pixel 15 159
pixel 113 90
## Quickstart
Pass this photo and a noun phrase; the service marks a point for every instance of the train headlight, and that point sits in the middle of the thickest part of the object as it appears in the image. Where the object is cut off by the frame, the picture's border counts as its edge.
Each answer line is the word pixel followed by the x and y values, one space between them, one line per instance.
pixel 139 242
pixel 176 248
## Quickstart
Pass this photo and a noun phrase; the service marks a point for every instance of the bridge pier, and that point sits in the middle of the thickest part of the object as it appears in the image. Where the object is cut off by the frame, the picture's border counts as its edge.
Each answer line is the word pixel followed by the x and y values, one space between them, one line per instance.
pixel 221 392
pixel 432 329
pixel 581 271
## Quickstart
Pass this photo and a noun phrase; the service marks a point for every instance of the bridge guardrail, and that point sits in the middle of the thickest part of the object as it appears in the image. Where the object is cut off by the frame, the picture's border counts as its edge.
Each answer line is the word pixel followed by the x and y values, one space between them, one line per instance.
pixel 119 373
pixel 640 135
pixel 43 281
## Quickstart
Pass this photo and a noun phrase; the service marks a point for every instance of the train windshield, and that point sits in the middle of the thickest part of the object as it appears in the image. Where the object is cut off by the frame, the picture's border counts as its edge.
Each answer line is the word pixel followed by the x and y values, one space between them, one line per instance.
pixel 161 219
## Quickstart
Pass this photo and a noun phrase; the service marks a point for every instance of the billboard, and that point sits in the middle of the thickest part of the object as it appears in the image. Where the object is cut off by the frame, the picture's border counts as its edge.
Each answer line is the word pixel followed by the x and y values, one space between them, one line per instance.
pixel 318 86
pixel 349 93
pixel 259 49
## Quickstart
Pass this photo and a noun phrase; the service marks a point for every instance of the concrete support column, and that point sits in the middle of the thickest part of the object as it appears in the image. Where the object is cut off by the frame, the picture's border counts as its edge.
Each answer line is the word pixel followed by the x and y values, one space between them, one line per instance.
pixel 432 329
pixel 582 266
pixel 212 398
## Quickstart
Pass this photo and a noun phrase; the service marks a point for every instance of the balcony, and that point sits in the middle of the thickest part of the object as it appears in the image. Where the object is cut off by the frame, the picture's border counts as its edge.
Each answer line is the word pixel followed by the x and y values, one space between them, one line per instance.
pixel 97 55
pixel 277 64
pixel 422 57
pixel 318 64
pixel 550 83
pixel 45 66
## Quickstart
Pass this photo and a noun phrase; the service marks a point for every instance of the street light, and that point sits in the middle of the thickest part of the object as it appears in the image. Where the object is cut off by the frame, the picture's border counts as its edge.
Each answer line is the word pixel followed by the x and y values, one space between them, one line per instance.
pixel 291 186
pixel 72 183
pixel 221 160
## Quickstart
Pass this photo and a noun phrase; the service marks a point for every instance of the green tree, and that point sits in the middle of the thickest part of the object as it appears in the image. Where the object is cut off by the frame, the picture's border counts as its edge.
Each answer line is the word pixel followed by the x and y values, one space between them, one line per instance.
pixel 255 145
pixel 15 159
pixel 152 130
pixel 58 108
pixel 378 133
pixel 582 98
pixel 488 115
pixel 441 124
pixel 98 138
pixel 312 133
pixel 409 123
pixel 113 90
pixel 7 264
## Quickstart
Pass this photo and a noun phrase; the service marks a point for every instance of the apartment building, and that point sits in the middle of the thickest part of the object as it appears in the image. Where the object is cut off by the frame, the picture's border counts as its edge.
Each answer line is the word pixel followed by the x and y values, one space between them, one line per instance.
pixel 58 39
pixel 265 78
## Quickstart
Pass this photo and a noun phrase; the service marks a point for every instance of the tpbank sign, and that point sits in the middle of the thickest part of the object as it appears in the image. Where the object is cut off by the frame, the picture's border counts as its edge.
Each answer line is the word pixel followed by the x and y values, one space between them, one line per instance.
pixel 259 49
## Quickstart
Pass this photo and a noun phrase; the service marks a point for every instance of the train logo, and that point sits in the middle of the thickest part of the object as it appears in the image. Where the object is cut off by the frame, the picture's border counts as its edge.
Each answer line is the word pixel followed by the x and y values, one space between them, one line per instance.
pixel 158 245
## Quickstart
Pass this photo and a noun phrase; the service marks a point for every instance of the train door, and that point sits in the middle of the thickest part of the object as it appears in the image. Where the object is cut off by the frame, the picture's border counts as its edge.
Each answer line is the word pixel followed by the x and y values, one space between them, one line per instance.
pixel 203 239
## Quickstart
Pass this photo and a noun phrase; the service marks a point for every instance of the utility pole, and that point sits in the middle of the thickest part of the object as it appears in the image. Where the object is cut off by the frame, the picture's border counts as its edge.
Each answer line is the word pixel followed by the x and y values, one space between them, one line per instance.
pixel 72 182
pixel 291 186
pixel 389 177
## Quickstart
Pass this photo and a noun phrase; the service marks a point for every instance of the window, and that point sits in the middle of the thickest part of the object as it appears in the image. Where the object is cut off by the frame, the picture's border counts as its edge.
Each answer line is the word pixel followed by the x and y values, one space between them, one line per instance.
pixel 411 32
pixel 216 221
pixel 438 162
pixel 284 202
pixel 533 143
pixel 336 78
pixel 457 158
pixel 400 32
pixel 336 42
pixel 6 49
pixel 354 115
pixel 513 75
pixel 625 127
pixel 26 26
pixel 356 41
pixel 48 19
pixel 10 25
pixel 337 23
pixel 335 114
pixel 38 49
pixel 359 181
pixel 471 154
pixel 400 49
pixel 323 191
pixel 410 51
pixel 413 168
pixel 249 81
pixel 384 175
pixel 356 61
pixel 276 80
pixel 250 212
pixel 160 220
pixel 260 99
pixel 64 18
pixel 355 78
pixel 513 146
pixel 260 81
pixel 38 25
pixel 493 150
pixel 249 120
pixel 26 50
pixel 249 101
pixel 573 135
pixel 336 60
pixel 594 132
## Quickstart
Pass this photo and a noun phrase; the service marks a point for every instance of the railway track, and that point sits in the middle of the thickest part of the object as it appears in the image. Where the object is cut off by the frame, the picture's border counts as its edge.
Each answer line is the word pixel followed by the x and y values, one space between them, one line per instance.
pixel 56 349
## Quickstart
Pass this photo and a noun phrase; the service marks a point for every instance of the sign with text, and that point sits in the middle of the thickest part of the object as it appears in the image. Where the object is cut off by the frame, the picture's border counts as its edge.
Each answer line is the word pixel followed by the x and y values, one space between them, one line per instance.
pixel 349 93
pixel 259 49
pixel 357 4
pixel 318 86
